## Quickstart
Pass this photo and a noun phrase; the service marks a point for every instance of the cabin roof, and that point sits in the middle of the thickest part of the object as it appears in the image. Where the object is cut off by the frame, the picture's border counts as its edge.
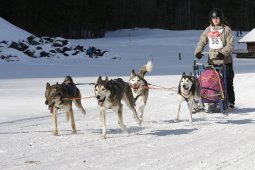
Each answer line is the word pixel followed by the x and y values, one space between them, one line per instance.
pixel 249 37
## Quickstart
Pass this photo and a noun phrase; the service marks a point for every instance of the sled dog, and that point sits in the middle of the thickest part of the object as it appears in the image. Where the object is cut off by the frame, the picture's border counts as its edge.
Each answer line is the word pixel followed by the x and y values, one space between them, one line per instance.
pixel 109 94
pixel 139 88
pixel 58 97
pixel 188 90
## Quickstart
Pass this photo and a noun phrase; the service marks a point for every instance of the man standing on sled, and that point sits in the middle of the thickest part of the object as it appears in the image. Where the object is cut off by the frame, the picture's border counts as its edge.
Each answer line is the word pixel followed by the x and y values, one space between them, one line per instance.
pixel 221 44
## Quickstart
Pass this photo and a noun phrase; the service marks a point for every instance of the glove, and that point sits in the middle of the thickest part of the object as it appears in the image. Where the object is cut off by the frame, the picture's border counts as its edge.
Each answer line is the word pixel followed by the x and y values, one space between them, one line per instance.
pixel 220 56
pixel 199 55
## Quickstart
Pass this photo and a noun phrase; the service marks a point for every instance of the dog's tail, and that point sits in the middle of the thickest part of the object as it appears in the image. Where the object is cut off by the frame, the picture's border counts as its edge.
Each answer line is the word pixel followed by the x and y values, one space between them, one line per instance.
pixel 146 68
pixel 68 80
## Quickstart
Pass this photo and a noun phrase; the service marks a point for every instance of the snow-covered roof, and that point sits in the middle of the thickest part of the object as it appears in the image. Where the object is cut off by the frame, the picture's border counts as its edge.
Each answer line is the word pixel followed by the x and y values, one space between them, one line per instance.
pixel 250 37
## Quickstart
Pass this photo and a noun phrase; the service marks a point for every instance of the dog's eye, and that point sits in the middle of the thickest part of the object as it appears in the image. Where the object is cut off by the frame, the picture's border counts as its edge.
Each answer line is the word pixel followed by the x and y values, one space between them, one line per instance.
pixel 103 89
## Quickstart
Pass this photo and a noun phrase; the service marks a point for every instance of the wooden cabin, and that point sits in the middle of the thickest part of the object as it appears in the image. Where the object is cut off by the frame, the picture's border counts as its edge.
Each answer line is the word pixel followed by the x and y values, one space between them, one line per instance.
pixel 249 39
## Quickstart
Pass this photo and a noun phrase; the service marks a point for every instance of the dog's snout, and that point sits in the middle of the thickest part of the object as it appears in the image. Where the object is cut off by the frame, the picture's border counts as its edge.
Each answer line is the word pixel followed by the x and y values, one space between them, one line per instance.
pixel 98 97
pixel 46 102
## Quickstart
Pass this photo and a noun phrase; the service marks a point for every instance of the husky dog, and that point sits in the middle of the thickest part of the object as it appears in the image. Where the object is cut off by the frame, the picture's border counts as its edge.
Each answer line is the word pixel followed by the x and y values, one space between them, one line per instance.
pixel 139 88
pixel 109 94
pixel 59 96
pixel 188 90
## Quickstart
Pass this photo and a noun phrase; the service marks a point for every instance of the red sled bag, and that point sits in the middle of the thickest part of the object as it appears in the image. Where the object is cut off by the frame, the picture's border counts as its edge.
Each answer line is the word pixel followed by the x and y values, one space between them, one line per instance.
pixel 212 86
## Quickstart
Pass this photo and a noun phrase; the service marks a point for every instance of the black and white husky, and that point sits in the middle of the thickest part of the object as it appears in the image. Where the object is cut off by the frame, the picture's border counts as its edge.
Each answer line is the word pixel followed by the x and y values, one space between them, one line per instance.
pixel 109 94
pixel 189 91
pixel 140 88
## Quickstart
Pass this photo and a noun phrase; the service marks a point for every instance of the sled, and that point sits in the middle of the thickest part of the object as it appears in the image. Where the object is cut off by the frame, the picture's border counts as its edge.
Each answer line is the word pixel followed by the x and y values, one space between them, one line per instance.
pixel 213 83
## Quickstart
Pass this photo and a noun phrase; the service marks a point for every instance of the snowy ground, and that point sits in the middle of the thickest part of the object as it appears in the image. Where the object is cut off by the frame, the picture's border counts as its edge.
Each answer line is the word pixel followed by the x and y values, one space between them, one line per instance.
pixel 214 141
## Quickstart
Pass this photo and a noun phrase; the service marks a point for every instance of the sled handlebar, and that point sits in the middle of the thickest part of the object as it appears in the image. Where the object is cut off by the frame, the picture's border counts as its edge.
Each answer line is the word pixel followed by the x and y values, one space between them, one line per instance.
pixel 205 53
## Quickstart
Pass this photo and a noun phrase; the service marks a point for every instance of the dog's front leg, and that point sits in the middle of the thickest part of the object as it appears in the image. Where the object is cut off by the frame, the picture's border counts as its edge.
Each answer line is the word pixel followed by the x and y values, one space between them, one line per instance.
pixel 72 120
pixel 178 112
pixel 190 105
pixel 140 110
pixel 180 99
pixel 103 123
pixel 54 121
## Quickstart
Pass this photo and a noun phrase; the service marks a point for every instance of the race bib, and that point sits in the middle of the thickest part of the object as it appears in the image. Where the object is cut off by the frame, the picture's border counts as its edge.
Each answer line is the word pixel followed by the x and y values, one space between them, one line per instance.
pixel 214 39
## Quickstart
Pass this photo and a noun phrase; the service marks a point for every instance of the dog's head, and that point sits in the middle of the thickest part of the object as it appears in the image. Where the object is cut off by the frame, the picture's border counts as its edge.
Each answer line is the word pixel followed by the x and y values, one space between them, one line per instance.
pixel 136 81
pixel 102 90
pixel 186 83
pixel 52 95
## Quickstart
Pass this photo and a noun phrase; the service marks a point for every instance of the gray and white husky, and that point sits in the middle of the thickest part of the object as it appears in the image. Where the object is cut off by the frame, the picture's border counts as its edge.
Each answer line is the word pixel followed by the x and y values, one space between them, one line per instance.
pixel 189 91
pixel 140 88
pixel 109 94
pixel 59 96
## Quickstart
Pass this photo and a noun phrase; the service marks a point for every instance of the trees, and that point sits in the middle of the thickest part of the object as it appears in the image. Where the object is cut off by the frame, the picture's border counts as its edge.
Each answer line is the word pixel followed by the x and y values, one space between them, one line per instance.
pixel 91 18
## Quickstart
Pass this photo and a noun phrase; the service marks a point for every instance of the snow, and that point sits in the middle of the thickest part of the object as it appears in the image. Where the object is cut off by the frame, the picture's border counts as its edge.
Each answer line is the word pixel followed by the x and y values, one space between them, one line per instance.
pixel 214 141
pixel 249 37
pixel 10 32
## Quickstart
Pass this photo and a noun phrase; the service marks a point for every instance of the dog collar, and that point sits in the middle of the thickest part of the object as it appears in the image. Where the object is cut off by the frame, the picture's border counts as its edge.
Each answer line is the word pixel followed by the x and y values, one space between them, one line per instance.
pixel 186 96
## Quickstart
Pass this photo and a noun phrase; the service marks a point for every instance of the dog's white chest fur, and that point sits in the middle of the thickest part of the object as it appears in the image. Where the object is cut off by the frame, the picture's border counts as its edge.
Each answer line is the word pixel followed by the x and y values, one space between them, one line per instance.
pixel 106 105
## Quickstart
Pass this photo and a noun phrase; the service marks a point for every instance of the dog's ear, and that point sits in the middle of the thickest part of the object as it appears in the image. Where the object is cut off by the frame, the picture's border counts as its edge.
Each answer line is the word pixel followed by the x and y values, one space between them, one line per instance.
pixel 47 85
pixel 57 86
pixel 106 79
pixel 183 73
pixel 99 80
pixel 133 73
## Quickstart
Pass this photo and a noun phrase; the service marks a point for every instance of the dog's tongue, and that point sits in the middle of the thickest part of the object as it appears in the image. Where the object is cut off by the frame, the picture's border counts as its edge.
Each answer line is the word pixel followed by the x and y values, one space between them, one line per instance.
pixel 100 103
pixel 135 87
pixel 51 109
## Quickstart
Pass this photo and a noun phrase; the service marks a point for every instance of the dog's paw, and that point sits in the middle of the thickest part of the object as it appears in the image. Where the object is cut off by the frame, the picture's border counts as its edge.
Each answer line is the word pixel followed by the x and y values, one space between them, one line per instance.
pixel 140 117
pixel 126 134
pixel 55 133
pixel 139 122
pixel 176 120
pixel 74 132
pixel 103 136
pixel 83 111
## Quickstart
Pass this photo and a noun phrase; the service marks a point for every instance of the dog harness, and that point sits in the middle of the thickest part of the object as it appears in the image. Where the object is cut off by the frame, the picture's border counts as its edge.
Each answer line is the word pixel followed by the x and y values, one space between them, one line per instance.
pixel 186 96
pixel 135 99
pixel 71 88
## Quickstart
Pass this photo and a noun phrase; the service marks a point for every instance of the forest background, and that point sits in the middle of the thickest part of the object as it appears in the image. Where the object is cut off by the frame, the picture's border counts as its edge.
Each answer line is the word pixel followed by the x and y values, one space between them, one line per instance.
pixel 93 18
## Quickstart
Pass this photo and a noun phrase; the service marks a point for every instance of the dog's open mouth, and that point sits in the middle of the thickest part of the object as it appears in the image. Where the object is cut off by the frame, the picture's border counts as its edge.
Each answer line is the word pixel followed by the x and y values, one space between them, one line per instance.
pixel 186 88
pixel 51 107
pixel 101 102
pixel 135 87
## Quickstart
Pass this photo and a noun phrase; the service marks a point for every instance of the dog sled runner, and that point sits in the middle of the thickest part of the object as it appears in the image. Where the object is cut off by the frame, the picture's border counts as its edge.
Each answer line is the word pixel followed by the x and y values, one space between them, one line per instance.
pixel 213 83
